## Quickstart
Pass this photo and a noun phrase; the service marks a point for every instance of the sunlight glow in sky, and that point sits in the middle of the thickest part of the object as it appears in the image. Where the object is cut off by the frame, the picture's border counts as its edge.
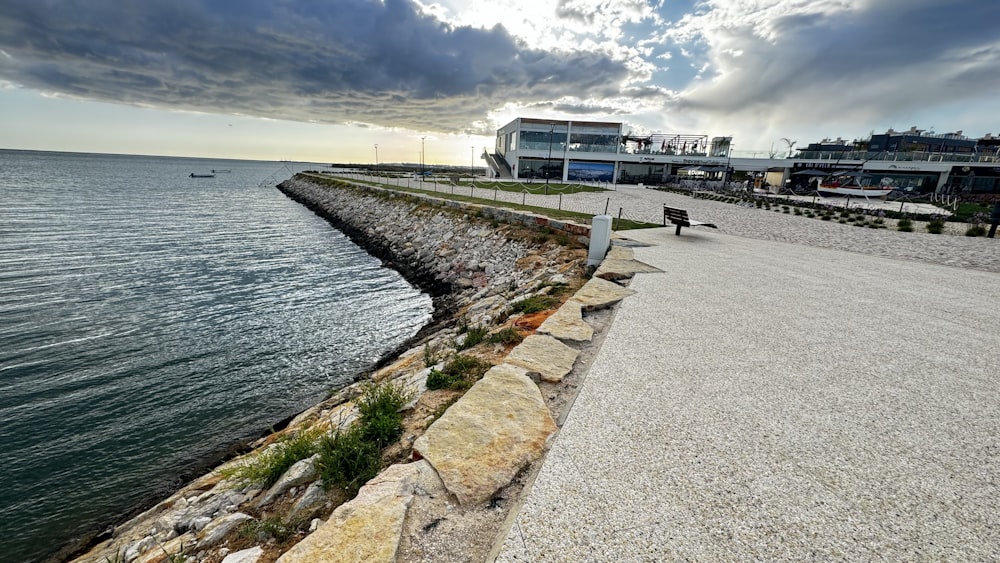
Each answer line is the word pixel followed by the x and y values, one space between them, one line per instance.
pixel 326 81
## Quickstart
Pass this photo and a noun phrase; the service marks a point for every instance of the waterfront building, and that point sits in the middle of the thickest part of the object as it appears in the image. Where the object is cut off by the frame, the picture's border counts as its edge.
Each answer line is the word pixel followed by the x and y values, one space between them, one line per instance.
pixel 531 149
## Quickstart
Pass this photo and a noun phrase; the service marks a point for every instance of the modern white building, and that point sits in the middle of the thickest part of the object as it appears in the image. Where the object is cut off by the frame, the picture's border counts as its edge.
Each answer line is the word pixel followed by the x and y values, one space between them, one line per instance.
pixel 566 151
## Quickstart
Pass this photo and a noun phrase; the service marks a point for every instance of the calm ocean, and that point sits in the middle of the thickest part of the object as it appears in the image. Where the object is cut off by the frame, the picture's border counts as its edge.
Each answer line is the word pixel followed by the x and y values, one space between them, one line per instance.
pixel 148 320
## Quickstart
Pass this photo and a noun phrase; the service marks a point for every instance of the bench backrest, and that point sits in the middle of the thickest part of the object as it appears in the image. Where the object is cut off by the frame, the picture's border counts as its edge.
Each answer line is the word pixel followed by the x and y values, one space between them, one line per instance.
pixel 676 215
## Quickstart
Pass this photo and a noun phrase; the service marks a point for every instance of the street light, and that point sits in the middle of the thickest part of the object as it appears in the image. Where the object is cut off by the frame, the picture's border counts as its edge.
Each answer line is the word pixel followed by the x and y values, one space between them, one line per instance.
pixel 472 164
pixel 729 168
pixel 548 163
pixel 422 158
pixel 376 159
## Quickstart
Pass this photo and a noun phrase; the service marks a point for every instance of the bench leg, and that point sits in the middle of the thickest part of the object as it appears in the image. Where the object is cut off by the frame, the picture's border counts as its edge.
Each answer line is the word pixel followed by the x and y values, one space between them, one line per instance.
pixel 678 231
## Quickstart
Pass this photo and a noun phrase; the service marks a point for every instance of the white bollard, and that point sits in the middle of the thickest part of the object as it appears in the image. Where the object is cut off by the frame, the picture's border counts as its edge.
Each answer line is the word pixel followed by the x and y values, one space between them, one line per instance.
pixel 600 239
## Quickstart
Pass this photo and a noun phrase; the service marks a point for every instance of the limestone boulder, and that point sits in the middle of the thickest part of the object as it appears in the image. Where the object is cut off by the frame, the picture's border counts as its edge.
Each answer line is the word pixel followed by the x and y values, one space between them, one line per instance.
pixel 300 473
pixel 545 356
pixel 366 529
pixel 499 426
pixel 600 294
pixel 567 324
pixel 620 263
pixel 218 529
pixel 313 502
pixel 250 555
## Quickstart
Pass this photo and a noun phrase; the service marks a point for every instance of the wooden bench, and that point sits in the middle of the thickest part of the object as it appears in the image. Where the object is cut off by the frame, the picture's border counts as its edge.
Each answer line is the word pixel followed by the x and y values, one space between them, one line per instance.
pixel 680 218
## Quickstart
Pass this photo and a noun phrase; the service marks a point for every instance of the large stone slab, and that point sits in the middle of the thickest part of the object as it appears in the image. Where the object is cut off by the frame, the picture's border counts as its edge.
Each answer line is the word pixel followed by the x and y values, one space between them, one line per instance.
pixel 499 426
pixel 620 263
pixel 543 355
pixel 366 529
pixel 600 294
pixel 568 324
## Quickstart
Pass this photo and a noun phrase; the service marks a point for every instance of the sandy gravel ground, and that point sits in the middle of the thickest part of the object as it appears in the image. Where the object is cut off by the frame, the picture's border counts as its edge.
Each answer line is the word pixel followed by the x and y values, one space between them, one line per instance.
pixel 773 397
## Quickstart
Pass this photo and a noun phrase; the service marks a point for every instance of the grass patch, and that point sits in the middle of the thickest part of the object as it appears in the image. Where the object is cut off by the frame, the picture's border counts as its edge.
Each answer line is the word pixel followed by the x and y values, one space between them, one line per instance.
pixel 976 231
pixel 935 226
pixel 534 304
pixel 268 466
pixel 461 372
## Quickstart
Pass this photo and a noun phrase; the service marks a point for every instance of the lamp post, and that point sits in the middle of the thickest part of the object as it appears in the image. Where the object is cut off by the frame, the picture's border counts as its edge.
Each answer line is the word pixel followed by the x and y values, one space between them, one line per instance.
pixel 548 163
pixel 729 160
pixel 422 158
pixel 472 163
pixel 376 159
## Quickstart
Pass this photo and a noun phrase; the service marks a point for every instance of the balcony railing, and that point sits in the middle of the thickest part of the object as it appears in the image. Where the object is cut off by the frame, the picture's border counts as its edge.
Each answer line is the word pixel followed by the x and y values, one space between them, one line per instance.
pixel 921 156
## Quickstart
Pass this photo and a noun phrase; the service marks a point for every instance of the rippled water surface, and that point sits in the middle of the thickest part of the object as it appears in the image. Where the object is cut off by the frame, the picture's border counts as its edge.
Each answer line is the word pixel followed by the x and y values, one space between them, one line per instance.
pixel 149 319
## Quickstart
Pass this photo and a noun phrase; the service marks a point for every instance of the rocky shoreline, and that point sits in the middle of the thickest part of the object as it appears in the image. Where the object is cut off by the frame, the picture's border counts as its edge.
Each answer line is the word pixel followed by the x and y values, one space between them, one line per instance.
pixel 474 261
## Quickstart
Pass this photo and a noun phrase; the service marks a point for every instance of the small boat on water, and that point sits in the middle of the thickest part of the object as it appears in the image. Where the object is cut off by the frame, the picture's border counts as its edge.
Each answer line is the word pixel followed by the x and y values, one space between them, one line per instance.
pixel 221 171
pixel 849 183
pixel 193 175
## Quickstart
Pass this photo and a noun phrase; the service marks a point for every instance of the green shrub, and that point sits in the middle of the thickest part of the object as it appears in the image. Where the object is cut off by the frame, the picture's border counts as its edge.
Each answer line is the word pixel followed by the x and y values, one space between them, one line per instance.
pixel 438 380
pixel 976 231
pixel 347 460
pixel 798 211
pixel 473 335
pixel 826 217
pixel 534 304
pixel 266 467
pixel 379 406
pixel 843 221
pixel 507 335
pixel 935 226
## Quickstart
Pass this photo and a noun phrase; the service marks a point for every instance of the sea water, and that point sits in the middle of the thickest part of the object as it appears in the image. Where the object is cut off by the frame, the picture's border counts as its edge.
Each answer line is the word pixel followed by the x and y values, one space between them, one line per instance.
pixel 148 320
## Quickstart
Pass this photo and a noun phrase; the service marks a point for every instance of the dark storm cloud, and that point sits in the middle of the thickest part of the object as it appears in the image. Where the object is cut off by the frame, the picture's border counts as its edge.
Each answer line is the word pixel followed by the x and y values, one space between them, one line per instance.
pixel 329 61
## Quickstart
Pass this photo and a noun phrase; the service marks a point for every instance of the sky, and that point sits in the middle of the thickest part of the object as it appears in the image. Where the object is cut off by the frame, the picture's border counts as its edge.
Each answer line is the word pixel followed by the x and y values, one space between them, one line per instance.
pixel 400 80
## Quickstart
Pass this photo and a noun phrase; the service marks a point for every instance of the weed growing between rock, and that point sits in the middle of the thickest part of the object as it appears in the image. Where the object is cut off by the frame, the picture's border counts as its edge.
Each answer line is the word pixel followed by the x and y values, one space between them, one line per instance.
pixel 473 335
pixel 905 225
pixel 379 405
pixel 263 530
pixel 461 372
pixel 268 466
pixel 506 336
pixel 534 304
pixel 432 354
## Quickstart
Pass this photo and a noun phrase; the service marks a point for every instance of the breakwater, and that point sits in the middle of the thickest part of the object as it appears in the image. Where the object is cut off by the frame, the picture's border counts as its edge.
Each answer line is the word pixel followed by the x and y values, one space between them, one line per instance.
pixel 475 261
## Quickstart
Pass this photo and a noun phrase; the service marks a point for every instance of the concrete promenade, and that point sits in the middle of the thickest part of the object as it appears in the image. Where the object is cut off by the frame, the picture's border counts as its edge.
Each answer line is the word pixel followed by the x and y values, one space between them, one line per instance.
pixel 763 400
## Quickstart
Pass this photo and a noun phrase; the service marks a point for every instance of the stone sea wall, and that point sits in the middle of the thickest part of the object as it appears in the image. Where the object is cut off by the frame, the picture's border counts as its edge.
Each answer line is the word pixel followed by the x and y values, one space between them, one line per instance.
pixel 457 252
pixel 475 261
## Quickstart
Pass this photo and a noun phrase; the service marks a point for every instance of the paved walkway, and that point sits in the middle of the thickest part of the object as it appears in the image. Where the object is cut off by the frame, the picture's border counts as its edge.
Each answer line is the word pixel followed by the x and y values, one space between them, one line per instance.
pixel 762 400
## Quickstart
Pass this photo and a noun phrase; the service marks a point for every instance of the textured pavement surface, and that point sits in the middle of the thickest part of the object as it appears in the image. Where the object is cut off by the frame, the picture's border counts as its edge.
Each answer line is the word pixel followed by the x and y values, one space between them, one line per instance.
pixel 761 400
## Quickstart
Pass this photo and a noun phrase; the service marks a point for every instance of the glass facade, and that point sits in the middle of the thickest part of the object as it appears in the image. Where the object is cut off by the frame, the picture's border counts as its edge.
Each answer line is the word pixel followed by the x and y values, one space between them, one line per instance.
pixel 593 142
pixel 531 168
pixel 540 140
